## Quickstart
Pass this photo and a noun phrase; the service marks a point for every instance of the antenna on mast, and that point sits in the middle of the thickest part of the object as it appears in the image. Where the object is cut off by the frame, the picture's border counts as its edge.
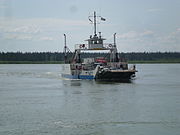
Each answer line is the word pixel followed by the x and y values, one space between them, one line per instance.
pixel 94 21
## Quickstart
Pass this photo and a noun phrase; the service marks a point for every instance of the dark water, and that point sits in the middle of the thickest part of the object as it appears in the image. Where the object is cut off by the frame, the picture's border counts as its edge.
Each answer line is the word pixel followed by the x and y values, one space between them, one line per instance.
pixel 35 100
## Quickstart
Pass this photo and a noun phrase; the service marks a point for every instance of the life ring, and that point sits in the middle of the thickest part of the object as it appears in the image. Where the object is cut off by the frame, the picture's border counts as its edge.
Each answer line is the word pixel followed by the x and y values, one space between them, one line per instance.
pixel 80 46
pixel 110 45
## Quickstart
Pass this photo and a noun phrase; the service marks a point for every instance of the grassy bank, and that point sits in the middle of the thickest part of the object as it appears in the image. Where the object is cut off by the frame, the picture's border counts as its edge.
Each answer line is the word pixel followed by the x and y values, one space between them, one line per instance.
pixel 154 61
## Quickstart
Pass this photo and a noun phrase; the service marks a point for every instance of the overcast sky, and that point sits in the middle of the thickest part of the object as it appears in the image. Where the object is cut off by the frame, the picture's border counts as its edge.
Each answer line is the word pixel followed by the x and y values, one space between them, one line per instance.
pixel 39 25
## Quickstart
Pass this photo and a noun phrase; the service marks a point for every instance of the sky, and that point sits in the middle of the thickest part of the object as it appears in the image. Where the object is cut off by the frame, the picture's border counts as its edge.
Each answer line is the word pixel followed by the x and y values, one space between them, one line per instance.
pixel 39 25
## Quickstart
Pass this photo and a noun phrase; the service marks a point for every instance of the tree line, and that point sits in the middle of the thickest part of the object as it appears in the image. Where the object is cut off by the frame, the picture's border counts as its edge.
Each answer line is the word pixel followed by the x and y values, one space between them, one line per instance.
pixel 59 56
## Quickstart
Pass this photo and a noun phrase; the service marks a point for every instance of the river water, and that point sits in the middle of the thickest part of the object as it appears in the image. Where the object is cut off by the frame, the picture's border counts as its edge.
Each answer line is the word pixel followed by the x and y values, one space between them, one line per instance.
pixel 35 100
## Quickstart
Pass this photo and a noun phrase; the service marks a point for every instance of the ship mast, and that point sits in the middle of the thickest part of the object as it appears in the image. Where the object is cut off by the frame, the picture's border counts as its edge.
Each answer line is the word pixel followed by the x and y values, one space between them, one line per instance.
pixel 66 50
pixel 94 23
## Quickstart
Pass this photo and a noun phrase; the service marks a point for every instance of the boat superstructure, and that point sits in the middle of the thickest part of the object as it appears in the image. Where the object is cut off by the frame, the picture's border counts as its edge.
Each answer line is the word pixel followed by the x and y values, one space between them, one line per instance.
pixel 100 68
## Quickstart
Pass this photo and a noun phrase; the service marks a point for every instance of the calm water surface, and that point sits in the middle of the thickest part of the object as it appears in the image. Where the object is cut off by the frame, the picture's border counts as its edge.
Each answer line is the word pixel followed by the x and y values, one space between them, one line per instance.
pixel 35 100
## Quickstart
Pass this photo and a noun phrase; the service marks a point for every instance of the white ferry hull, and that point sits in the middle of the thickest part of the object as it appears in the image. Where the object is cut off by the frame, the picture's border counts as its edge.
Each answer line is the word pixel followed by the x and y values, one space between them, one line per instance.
pixel 110 75
pixel 88 75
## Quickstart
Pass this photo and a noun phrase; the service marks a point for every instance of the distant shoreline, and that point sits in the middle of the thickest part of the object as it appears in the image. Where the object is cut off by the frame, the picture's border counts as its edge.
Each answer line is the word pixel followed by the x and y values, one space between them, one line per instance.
pixel 61 62
pixel 31 62
pixel 58 57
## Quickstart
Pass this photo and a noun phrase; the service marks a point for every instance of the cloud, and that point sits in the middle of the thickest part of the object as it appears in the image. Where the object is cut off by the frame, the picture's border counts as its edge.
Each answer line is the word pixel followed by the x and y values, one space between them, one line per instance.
pixel 135 34
pixel 37 28
pixel 130 34
pixel 3 4
pixel 46 38
pixel 17 37
pixel 172 38
pixel 178 29
pixel 167 42
pixel 50 29
pixel 154 10
pixel 137 40
pixel 26 29
pixel 149 41
pixel 43 22
pixel 147 33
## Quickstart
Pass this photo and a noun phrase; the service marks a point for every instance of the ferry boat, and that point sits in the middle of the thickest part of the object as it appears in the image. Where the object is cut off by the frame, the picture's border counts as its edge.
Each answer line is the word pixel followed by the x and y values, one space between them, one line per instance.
pixel 100 68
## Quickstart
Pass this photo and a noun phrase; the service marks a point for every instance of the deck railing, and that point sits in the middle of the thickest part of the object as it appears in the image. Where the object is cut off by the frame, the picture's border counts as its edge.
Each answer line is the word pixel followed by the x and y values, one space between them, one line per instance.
pixel 106 46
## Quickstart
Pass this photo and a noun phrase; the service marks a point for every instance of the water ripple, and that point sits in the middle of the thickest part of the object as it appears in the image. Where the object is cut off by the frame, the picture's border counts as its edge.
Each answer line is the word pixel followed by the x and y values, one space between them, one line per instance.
pixel 100 123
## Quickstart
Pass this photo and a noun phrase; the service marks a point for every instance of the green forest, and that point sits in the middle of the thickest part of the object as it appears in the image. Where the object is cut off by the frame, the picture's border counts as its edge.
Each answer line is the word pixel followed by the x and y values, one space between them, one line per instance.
pixel 58 57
